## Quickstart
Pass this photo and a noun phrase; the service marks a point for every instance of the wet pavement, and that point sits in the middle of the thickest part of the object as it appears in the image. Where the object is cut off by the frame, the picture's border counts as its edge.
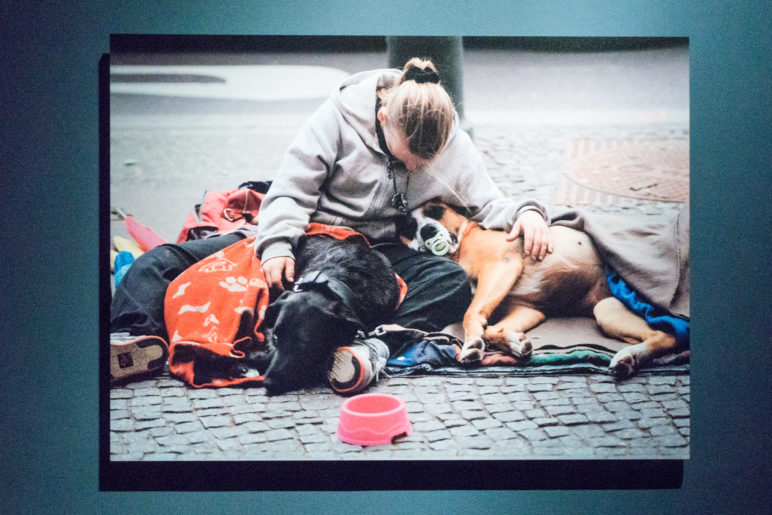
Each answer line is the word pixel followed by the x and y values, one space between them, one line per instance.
pixel 532 127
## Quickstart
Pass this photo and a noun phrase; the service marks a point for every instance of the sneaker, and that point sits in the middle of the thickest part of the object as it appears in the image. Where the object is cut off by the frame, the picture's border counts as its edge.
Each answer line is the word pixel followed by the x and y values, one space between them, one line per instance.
pixel 134 355
pixel 356 366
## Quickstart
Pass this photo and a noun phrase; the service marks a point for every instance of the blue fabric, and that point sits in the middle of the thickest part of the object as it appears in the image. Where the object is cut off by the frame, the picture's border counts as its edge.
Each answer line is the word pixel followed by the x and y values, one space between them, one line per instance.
pixel 123 261
pixel 679 367
pixel 656 317
pixel 425 352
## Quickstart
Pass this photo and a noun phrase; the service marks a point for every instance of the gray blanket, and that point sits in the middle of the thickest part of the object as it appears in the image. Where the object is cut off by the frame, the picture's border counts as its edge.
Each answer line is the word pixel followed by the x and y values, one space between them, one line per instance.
pixel 651 253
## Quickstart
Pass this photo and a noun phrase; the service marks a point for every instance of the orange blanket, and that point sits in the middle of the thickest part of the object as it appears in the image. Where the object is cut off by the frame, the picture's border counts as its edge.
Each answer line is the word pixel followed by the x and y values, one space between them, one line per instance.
pixel 214 311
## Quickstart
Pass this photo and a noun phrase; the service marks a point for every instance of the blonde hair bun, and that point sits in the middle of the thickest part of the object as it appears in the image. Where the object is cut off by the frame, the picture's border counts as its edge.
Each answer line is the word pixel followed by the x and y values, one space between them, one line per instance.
pixel 421 108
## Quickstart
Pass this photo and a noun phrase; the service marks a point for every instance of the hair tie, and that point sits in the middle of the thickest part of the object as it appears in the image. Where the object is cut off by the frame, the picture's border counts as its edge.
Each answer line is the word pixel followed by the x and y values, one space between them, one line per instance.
pixel 421 75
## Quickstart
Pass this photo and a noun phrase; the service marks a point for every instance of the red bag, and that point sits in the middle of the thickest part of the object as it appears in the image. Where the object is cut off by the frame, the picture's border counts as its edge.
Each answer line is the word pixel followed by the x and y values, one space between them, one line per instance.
pixel 221 211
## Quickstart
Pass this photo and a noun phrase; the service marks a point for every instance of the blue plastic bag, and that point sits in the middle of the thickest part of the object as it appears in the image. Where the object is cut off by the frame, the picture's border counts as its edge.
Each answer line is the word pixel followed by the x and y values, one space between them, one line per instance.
pixel 123 261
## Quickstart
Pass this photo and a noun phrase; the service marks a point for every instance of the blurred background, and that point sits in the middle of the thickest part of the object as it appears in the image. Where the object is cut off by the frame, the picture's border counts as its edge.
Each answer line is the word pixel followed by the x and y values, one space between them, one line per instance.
pixel 600 123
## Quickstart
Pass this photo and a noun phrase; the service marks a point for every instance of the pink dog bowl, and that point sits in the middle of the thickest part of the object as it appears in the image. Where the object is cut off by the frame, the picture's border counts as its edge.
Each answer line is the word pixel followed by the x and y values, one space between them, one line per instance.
pixel 373 419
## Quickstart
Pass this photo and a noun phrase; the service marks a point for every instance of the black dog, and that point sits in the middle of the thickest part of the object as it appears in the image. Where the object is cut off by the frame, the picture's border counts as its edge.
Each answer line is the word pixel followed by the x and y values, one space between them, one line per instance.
pixel 343 286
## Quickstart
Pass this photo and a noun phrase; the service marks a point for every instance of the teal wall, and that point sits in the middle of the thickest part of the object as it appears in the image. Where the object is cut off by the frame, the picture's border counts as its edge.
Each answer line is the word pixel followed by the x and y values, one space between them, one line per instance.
pixel 50 185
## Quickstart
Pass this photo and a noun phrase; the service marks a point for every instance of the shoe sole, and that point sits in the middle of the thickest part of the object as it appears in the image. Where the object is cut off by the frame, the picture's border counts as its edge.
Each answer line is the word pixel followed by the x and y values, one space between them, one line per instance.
pixel 137 357
pixel 347 363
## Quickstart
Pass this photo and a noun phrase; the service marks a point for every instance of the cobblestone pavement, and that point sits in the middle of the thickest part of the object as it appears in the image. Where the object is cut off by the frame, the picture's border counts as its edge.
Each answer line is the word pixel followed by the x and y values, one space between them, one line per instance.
pixel 581 417
pixel 573 416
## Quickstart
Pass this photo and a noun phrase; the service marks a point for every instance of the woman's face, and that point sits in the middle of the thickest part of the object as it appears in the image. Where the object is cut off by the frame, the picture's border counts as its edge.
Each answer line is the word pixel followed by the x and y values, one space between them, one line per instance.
pixel 398 146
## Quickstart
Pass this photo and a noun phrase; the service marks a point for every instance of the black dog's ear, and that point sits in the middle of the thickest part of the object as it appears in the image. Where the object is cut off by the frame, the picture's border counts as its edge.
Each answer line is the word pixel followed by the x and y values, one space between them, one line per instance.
pixel 343 313
pixel 272 311
pixel 271 314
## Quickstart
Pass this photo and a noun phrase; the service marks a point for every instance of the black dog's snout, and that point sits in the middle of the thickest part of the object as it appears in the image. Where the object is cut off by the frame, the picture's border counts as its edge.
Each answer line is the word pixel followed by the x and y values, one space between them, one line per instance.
pixel 428 231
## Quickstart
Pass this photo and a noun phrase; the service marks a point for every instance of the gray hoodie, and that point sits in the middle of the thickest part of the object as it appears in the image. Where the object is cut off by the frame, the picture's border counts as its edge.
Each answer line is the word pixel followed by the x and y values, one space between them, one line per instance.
pixel 336 173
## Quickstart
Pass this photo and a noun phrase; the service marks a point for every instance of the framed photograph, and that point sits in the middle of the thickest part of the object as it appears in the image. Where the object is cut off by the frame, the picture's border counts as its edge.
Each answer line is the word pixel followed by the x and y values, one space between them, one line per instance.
pixel 593 393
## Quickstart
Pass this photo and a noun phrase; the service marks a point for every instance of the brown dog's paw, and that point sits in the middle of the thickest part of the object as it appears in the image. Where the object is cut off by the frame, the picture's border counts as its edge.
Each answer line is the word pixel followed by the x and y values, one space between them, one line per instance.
pixel 520 346
pixel 472 352
pixel 624 364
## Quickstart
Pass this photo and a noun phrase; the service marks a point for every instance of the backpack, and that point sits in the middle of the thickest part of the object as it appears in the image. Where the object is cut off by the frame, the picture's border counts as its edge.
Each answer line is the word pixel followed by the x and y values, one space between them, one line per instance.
pixel 224 211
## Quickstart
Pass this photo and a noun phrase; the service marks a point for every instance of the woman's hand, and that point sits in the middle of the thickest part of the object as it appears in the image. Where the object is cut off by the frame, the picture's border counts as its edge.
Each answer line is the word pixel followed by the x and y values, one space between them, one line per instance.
pixel 536 236
pixel 278 269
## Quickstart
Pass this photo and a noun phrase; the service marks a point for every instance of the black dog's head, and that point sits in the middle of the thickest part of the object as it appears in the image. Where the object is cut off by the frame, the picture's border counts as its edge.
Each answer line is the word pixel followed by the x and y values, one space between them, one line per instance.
pixel 304 330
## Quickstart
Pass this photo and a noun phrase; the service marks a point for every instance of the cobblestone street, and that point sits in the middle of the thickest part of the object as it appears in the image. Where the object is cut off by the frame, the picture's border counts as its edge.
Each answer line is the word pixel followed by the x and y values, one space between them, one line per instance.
pixel 168 163
pixel 578 417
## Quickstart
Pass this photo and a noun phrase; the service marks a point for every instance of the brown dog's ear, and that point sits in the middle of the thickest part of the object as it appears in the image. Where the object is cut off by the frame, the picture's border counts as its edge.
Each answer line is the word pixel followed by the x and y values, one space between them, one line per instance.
pixel 463 211
pixel 406 226
pixel 434 211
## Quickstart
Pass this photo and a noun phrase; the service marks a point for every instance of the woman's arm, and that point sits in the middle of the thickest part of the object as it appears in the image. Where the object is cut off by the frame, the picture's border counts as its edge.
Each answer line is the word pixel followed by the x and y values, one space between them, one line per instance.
pixel 491 209
pixel 294 193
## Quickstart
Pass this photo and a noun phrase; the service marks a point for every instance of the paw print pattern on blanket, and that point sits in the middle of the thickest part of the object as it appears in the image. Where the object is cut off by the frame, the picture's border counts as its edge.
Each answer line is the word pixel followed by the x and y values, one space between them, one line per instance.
pixel 235 284
pixel 241 284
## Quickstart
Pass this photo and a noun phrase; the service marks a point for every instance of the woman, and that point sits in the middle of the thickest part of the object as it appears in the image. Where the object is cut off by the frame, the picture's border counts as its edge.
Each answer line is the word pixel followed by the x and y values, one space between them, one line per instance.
pixel 384 143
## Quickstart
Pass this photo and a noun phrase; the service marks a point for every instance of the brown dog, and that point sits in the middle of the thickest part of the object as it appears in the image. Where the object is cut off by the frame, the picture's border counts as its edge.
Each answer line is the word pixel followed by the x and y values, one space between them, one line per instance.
pixel 570 281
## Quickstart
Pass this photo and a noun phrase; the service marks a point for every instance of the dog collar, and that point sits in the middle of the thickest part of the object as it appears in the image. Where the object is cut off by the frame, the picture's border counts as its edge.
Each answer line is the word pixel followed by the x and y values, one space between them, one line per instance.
pixel 319 280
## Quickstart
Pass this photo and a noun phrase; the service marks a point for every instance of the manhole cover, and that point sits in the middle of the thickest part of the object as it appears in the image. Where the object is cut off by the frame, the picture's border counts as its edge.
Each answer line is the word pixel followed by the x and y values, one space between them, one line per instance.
pixel 607 171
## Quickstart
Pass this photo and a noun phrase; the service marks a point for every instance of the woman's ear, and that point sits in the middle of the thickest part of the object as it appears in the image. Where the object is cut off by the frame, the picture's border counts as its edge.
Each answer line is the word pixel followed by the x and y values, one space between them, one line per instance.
pixel 382 115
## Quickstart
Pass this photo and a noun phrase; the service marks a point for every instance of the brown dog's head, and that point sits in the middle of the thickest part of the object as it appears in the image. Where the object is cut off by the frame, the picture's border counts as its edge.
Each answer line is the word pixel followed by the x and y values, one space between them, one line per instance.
pixel 433 227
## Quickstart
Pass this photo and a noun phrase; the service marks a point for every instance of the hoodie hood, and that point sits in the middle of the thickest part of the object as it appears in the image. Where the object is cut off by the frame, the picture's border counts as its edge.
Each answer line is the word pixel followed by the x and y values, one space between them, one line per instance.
pixel 355 100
